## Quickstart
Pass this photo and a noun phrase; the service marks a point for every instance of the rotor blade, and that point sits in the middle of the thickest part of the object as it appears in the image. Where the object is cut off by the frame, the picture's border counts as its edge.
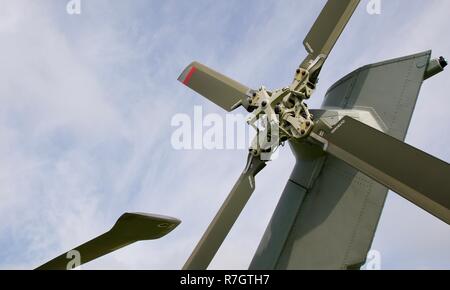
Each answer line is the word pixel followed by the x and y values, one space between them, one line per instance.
pixel 129 228
pixel 219 89
pixel 327 29
pixel 221 225
pixel 413 174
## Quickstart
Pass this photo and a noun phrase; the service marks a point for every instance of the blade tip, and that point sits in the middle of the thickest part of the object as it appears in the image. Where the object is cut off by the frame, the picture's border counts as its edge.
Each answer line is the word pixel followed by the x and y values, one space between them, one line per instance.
pixel 187 73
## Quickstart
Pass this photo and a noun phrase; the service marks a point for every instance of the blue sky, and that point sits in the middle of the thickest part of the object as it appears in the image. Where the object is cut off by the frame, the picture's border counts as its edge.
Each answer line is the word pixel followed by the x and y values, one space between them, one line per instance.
pixel 87 102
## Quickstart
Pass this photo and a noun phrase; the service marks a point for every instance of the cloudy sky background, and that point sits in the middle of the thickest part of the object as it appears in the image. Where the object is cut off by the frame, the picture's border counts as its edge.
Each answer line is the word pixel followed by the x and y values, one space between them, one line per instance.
pixel 86 105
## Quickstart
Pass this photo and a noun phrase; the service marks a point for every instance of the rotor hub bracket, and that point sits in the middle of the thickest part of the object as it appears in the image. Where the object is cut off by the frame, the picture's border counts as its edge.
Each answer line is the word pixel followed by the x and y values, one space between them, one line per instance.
pixel 306 76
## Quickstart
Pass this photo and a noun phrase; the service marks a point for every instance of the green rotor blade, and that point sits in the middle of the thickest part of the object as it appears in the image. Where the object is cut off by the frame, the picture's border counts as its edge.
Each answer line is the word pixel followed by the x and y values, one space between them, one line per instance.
pixel 129 228
pixel 413 174
pixel 225 218
pixel 217 88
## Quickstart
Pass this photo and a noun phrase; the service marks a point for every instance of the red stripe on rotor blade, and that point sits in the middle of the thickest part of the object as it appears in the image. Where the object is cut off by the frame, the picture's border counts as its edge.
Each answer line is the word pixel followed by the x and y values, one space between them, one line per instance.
pixel 189 75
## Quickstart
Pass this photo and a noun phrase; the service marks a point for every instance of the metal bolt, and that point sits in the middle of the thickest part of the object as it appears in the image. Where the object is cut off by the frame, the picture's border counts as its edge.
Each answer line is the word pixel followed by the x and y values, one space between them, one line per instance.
pixel 277 109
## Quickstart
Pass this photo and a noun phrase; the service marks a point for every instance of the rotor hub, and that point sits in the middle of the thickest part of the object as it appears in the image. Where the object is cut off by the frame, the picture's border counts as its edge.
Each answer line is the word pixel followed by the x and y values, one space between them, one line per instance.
pixel 278 116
